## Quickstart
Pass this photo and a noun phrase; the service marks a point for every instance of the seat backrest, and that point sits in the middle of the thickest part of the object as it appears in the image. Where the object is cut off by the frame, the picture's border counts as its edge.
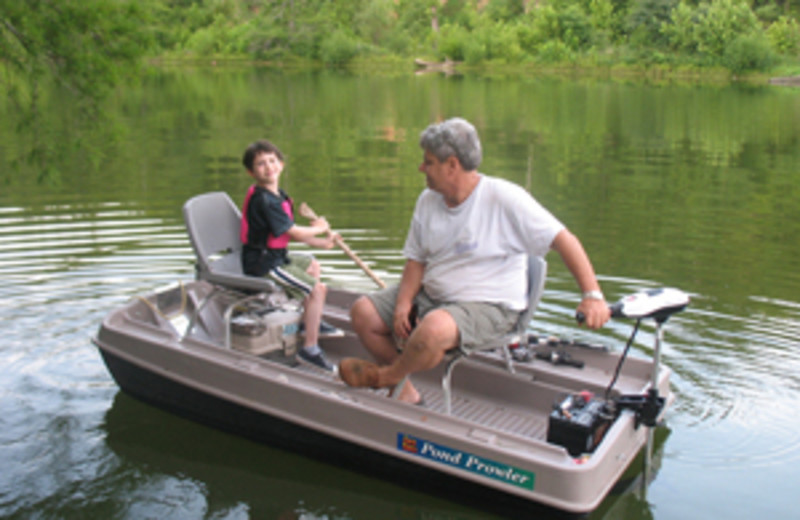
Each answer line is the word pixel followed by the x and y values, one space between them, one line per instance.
pixel 537 275
pixel 213 222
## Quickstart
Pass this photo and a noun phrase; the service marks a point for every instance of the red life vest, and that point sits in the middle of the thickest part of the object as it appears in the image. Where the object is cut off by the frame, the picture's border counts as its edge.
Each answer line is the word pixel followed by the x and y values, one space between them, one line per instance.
pixel 273 242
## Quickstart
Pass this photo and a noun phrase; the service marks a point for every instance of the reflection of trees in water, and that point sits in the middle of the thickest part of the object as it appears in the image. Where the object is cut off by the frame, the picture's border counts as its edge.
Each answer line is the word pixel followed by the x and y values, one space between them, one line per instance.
pixel 64 55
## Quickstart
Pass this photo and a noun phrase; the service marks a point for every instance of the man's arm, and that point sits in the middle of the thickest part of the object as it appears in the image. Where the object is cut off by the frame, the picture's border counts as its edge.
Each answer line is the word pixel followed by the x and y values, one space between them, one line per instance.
pixel 592 305
pixel 410 284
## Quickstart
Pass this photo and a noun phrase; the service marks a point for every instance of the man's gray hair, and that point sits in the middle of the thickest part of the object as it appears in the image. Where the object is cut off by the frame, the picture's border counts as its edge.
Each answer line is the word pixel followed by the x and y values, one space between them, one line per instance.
pixel 454 136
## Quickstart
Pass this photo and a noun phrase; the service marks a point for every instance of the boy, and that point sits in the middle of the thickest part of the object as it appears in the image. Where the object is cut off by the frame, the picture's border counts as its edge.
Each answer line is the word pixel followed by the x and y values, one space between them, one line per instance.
pixel 267 226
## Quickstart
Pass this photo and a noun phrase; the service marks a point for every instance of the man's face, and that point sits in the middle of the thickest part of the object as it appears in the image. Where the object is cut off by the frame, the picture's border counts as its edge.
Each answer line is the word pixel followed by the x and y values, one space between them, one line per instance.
pixel 434 171
pixel 267 169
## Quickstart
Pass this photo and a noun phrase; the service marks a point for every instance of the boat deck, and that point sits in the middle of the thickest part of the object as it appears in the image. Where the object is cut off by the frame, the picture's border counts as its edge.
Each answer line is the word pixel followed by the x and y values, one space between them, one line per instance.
pixel 467 406
pixel 484 393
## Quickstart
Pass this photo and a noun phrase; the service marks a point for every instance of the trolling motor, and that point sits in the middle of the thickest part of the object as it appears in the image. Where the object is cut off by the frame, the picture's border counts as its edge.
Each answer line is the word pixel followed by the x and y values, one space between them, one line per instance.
pixel 579 422
pixel 658 304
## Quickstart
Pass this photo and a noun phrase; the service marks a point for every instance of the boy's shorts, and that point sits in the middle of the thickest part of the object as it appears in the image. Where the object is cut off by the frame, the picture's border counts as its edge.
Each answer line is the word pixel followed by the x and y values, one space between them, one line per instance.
pixel 478 322
pixel 293 277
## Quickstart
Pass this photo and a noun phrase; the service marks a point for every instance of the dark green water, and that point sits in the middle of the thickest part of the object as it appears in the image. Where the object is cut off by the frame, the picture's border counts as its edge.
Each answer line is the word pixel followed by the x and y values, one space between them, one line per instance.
pixel 680 185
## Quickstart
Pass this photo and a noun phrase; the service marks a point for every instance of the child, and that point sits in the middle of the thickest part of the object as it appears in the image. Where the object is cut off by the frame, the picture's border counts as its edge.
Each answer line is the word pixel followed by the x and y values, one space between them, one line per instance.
pixel 267 226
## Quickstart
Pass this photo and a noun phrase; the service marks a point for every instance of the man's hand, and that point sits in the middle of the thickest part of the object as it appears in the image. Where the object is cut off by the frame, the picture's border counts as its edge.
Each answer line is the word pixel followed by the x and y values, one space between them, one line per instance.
pixel 402 320
pixel 595 312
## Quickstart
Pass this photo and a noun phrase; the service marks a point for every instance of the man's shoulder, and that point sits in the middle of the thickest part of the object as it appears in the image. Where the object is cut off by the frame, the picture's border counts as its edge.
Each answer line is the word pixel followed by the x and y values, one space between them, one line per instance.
pixel 428 197
pixel 502 189
pixel 498 183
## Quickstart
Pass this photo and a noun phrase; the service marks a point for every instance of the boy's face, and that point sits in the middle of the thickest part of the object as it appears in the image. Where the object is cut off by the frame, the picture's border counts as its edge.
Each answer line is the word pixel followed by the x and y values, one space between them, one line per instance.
pixel 267 169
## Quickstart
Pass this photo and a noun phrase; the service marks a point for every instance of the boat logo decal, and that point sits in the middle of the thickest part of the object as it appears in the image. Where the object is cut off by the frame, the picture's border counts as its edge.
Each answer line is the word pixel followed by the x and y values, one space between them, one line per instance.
pixel 464 460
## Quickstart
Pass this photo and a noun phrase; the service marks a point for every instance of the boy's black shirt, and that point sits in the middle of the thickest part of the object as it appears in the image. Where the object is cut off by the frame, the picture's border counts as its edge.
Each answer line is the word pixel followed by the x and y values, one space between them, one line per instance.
pixel 265 216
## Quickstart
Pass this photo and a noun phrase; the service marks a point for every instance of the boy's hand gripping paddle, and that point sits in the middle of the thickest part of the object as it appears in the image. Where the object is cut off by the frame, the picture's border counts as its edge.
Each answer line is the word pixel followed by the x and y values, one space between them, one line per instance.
pixel 308 213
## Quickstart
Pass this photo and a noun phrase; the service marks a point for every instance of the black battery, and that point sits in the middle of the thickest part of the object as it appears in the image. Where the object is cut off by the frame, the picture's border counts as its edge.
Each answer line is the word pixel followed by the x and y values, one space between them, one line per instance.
pixel 578 422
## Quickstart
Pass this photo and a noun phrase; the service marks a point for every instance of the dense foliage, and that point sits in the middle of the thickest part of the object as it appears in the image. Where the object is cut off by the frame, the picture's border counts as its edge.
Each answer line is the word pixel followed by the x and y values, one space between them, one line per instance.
pixel 82 42
pixel 84 45
pixel 735 34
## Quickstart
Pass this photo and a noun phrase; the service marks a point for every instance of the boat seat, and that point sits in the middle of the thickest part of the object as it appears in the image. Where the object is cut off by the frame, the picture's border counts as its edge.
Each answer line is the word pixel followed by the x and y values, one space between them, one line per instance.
pixel 537 274
pixel 213 222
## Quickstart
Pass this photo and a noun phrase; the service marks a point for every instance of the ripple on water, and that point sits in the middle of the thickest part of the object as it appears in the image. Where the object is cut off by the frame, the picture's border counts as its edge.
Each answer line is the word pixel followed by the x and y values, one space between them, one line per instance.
pixel 737 381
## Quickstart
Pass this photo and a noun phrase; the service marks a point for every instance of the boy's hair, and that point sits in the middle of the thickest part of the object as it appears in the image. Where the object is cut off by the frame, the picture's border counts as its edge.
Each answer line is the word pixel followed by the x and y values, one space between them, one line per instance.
pixel 257 148
pixel 454 136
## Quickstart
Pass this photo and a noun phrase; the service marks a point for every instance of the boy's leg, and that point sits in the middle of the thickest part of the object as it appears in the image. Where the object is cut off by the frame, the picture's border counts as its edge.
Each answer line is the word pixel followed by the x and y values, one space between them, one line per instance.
pixel 312 315
pixel 295 278
pixel 315 301
pixel 312 266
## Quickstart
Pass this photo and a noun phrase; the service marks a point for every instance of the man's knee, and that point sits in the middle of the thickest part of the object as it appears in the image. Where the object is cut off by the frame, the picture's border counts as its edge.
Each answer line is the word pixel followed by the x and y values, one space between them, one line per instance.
pixel 361 309
pixel 363 314
pixel 437 331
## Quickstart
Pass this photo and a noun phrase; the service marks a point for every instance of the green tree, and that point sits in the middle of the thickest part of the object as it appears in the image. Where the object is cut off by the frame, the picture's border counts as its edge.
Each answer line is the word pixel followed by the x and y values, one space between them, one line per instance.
pixel 749 52
pixel 505 10
pixel 784 35
pixel 646 19
pixel 566 23
pixel 710 27
pixel 85 47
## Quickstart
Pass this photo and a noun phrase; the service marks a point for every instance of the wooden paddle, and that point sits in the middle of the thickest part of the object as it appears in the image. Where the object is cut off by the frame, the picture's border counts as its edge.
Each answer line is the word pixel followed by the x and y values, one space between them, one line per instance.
pixel 308 213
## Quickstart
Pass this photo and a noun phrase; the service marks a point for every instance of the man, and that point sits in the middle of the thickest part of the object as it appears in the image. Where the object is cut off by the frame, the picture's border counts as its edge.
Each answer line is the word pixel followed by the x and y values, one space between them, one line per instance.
pixel 465 272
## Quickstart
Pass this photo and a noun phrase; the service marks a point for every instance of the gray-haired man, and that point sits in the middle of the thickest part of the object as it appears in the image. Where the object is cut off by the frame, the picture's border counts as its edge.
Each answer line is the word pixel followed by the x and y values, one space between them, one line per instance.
pixel 465 271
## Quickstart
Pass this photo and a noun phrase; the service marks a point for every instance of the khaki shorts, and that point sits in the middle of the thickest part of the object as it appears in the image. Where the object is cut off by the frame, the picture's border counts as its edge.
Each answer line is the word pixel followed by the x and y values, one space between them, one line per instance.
pixel 478 322
pixel 293 277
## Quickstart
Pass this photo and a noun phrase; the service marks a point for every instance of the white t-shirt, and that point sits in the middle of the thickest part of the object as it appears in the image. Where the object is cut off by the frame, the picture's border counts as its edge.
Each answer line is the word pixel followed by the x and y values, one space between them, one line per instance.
pixel 477 250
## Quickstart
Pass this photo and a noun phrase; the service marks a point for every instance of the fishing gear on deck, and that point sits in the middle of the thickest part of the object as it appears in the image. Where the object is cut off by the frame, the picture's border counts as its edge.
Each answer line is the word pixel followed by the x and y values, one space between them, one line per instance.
pixel 523 352
pixel 560 358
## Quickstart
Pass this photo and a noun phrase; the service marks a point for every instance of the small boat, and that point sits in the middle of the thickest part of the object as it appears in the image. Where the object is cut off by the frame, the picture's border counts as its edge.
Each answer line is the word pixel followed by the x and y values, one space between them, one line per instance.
pixel 557 427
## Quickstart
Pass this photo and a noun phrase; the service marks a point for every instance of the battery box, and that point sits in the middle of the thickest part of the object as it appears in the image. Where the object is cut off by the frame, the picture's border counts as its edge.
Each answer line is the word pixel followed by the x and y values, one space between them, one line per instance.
pixel 263 333
pixel 578 422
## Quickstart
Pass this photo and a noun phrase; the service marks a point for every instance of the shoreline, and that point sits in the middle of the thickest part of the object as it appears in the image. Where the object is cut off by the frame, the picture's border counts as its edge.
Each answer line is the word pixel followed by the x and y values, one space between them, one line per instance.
pixel 420 66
